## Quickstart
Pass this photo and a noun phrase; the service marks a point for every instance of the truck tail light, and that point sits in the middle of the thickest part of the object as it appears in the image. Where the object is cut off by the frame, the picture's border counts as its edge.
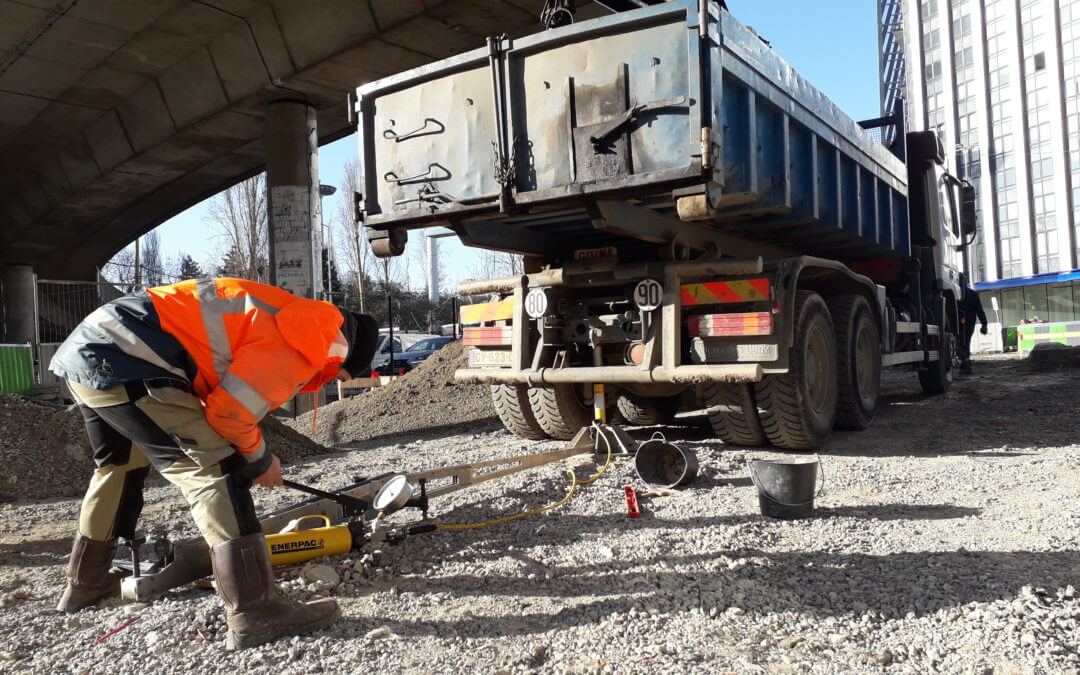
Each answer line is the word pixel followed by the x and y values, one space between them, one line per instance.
pixel 730 325
pixel 491 336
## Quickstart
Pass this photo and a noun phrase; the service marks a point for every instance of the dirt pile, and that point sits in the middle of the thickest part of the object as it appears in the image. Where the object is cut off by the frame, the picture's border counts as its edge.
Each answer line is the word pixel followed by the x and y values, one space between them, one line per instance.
pixel 44 452
pixel 1051 356
pixel 287 443
pixel 424 402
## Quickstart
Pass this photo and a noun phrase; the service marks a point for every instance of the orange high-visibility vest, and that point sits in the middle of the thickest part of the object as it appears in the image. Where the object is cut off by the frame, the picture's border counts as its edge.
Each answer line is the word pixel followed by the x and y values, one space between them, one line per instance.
pixel 255 346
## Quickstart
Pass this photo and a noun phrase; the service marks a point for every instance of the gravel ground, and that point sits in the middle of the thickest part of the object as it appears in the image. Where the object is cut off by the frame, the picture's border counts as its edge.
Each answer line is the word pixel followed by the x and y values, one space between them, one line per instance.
pixel 946 541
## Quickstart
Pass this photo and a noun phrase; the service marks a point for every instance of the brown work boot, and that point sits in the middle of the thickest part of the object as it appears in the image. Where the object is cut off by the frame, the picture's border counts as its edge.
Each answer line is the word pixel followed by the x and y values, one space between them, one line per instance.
pixel 89 577
pixel 256 611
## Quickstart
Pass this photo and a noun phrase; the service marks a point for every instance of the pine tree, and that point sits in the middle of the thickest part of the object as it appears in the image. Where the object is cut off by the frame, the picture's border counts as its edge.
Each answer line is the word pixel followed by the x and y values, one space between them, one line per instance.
pixel 189 269
pixel 233 265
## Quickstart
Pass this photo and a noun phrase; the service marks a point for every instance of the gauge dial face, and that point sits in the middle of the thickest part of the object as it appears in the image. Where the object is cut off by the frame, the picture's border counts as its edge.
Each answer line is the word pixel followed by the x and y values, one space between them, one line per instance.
pixel 392 490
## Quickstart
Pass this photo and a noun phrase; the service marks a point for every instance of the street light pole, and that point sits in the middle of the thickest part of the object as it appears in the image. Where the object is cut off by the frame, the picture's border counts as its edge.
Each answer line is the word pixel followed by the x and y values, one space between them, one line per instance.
pixel 326 191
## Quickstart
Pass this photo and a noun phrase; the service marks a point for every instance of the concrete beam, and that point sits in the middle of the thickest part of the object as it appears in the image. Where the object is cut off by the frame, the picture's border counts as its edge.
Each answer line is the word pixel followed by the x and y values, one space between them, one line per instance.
pixel 176 113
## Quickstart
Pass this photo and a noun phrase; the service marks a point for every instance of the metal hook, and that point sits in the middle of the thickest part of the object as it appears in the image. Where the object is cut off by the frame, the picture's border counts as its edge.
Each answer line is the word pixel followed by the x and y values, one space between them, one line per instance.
pixel 391 177
pixel 422 131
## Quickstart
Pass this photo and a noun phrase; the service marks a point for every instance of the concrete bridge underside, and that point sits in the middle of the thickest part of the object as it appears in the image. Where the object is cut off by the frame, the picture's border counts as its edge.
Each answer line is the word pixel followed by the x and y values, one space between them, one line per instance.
pixel 117 114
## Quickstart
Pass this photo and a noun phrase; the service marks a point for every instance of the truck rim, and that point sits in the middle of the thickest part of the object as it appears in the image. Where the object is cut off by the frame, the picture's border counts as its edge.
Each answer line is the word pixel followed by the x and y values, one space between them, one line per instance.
pixel 865 354
pixel 820 380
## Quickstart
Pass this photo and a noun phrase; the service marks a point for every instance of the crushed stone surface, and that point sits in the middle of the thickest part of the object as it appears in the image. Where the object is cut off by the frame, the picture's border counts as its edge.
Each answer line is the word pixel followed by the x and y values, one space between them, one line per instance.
pixel 44 452
pixel 946 540
pixel 424 402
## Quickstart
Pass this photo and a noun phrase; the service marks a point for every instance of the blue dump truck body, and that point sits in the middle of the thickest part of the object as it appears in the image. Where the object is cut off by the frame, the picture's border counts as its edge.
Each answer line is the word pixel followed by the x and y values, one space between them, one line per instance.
pixel 703 228
pixel 512 145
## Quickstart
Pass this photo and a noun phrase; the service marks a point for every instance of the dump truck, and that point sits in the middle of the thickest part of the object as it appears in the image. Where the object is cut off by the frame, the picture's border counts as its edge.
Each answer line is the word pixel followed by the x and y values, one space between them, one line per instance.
pixel 698 225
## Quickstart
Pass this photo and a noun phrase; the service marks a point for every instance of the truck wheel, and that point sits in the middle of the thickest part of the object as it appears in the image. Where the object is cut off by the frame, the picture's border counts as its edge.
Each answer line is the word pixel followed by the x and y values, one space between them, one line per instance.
pixel 858 362
pixel 797 408
pixel 513 408
pixel 559 410
pixel 648 410
pixel 937 377
pixel 733 414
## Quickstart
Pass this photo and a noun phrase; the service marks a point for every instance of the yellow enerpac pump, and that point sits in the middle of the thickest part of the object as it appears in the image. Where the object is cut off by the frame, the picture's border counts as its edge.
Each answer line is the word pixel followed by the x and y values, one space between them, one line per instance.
pixel 294 545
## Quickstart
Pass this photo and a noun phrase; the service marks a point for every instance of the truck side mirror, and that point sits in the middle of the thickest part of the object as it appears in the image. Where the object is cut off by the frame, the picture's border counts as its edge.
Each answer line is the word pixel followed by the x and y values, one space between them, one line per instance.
pixel 968 217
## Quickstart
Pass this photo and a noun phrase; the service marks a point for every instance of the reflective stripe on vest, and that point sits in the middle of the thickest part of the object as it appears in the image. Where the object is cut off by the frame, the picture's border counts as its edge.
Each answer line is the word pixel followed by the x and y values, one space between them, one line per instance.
pixel 243 392
pixel 214 323
pixel 213 309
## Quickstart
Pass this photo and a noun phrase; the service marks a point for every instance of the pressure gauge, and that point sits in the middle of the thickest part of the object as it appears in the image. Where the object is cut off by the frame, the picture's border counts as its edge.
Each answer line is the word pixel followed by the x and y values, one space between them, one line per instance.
pixel 393 495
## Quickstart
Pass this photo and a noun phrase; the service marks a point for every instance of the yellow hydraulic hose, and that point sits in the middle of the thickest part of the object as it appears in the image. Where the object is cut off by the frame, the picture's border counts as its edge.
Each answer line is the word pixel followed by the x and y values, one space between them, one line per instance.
pixel 574 482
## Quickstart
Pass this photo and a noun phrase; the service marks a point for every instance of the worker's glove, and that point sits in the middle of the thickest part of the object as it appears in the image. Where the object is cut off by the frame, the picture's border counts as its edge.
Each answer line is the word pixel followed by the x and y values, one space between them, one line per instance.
pixel 983 329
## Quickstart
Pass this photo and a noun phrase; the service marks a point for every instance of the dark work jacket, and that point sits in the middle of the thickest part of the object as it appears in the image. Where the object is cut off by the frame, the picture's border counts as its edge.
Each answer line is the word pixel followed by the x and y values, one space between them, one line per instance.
pixel 121 342
pixel 971 306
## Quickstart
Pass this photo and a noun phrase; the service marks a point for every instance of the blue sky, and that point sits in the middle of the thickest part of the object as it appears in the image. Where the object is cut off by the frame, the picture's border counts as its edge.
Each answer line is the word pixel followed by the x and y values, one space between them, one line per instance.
pixel 832 43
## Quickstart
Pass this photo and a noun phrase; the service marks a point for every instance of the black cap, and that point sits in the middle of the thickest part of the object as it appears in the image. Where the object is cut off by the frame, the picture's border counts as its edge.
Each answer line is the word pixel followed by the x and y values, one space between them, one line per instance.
pixel 361 331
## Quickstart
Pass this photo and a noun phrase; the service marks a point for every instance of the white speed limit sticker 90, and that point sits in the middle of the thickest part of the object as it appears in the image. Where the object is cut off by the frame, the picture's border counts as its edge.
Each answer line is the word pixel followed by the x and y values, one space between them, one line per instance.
pixel 536 303
pixel 648 295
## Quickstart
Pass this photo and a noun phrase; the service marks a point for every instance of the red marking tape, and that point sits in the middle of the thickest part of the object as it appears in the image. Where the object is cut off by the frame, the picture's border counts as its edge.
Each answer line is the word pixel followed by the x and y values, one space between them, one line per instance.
pixel 632 510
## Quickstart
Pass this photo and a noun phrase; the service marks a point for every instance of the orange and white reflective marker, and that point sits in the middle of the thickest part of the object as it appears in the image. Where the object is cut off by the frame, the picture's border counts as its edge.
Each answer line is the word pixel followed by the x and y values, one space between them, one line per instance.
pixel 734 324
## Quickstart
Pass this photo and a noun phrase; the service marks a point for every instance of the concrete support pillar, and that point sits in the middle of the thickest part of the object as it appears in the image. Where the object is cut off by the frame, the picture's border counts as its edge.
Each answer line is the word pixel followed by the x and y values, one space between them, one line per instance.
pixel 292 179
pixel 17 302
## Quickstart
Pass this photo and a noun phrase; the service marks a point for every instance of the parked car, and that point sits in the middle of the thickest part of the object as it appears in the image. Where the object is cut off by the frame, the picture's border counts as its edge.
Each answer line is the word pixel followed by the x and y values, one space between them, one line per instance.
pixel 414 355
pixel 400 344
pixel 423 349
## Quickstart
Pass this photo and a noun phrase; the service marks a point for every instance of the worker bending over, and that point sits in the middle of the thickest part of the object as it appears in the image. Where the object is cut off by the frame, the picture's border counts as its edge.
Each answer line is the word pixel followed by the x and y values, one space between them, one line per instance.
pixel 178 377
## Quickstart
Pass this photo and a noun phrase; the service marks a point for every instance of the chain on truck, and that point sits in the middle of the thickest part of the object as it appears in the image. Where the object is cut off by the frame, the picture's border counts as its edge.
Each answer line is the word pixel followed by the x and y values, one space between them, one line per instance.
pixel 699 224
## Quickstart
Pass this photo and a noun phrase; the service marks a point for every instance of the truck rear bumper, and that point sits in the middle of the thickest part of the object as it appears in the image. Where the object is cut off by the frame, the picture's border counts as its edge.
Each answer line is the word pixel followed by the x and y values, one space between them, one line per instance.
pixel 735 372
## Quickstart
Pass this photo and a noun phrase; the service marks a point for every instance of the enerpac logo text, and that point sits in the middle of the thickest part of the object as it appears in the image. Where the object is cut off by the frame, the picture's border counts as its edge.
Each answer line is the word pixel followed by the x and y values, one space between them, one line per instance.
pixel 302 545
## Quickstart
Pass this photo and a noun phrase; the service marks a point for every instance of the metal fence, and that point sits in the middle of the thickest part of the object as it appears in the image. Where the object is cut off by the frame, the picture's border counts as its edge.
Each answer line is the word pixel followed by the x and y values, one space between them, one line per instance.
pixel 61 305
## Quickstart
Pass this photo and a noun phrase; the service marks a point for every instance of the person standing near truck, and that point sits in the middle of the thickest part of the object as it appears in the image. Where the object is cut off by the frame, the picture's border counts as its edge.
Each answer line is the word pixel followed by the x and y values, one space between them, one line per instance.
pixel 971 308
pixel 178 378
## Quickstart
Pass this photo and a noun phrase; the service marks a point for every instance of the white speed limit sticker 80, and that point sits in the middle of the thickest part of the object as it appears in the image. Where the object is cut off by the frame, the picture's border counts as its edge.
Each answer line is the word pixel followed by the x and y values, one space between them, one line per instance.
pixel 536 303
pixel 648 295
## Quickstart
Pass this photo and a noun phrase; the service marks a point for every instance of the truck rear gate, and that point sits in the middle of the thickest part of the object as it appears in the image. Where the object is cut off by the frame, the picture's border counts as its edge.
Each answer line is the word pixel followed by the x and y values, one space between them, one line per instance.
pixel 521 145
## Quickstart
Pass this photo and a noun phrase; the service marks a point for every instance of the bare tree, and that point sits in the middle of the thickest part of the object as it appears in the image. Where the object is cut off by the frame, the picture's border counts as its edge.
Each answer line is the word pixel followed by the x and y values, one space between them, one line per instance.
pixel 494 264
pixel 239 216
pixel 152 261
pixel 354 249
pixel 120 269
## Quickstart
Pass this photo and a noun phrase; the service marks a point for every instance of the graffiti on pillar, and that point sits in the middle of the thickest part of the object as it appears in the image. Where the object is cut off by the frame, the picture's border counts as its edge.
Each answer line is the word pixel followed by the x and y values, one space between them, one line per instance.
pixel 291 224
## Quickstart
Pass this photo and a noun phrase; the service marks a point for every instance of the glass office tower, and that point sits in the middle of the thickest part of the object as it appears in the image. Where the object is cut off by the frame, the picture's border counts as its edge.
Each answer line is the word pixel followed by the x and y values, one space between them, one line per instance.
pixel 1000 82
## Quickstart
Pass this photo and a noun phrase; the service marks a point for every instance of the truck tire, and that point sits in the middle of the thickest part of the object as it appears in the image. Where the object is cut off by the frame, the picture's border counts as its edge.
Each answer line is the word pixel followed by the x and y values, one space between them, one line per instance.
pixel 559 410
pixel 937 377
pixel 858 362
pixel 797 408
pixel 513 408
pixel 733 414
pixel 648 410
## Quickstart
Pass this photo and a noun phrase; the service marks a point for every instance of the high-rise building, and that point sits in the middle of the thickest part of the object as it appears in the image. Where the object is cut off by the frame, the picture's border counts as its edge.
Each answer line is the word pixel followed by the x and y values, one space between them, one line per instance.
pixel 1000 82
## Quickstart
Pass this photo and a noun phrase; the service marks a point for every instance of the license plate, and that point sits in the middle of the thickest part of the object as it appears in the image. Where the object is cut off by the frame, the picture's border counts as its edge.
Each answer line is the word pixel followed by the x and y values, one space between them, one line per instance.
pixel 708 351
pixel 595 253
pixel 490 358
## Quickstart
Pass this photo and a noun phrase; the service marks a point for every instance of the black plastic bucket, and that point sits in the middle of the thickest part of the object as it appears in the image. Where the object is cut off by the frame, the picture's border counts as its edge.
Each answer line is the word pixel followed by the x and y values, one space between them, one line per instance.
pixel 662 464
pixel 786 488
